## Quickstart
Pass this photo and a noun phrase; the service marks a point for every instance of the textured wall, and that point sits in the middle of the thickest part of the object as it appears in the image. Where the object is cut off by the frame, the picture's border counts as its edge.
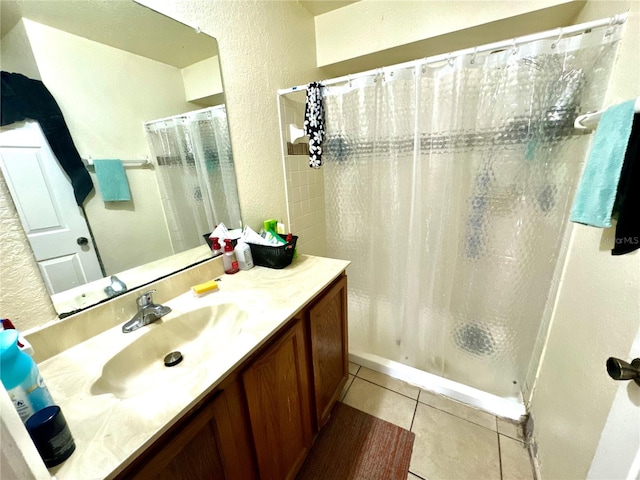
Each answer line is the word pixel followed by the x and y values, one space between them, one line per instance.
pixel 23 296
pixel 597 312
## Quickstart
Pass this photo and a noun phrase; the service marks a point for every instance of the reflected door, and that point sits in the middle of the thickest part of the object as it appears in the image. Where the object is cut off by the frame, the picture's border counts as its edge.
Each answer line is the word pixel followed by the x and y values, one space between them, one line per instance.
pixel 43 196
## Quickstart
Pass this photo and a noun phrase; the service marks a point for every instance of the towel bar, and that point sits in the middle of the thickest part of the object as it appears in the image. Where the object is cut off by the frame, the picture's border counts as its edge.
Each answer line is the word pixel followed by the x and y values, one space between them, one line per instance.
pixel 589 121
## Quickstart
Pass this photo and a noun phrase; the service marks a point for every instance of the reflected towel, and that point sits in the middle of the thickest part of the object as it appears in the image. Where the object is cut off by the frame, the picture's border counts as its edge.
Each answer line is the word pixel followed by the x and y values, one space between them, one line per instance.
pixel 597 190
pixel 112 180
pixel 627 204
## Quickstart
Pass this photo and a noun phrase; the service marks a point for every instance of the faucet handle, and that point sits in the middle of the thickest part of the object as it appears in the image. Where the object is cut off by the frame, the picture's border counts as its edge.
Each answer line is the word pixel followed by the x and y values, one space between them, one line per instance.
pixel 145 299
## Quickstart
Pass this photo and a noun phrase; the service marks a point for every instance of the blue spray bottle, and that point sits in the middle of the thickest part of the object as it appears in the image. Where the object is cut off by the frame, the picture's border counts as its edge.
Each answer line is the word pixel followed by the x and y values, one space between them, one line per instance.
pixel 20 376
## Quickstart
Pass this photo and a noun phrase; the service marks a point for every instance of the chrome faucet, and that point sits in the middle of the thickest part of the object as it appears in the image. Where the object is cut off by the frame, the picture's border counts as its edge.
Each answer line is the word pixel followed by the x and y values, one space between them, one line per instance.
pixel 147 312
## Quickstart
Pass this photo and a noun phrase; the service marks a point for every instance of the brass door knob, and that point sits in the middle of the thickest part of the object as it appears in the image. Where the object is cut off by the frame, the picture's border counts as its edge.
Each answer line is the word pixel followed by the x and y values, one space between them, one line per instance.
pixel 621 370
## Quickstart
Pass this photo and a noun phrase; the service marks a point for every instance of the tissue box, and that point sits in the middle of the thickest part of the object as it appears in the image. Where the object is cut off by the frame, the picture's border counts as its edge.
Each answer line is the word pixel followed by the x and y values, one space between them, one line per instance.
pixel 273 257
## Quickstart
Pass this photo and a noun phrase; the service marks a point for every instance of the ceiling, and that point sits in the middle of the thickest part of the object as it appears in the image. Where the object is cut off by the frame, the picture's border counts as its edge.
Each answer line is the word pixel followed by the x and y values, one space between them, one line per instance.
pixel 121 24
pixel 318 7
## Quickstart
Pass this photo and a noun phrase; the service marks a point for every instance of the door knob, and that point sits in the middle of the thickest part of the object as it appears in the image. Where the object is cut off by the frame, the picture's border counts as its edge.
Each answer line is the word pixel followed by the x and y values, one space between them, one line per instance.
pixel 621 370
pixel 82 241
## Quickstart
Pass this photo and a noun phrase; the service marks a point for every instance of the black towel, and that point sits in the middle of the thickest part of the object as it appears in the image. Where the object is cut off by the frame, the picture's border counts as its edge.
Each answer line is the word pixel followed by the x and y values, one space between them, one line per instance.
pixel 627 203
pixel 314 123
pixel 23 98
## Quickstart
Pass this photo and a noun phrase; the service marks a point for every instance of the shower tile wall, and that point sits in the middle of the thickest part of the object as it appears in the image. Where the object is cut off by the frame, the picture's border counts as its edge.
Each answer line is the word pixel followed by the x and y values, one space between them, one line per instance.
pixel 305 186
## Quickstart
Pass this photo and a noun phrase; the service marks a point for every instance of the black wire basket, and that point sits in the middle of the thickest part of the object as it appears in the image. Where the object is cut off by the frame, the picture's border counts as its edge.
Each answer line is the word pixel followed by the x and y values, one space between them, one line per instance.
pixel 273 257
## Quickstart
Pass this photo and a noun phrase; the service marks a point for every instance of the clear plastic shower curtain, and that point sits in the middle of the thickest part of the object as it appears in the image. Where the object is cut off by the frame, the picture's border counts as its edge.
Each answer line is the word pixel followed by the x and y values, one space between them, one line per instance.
pixel 196 175
pixel 448 187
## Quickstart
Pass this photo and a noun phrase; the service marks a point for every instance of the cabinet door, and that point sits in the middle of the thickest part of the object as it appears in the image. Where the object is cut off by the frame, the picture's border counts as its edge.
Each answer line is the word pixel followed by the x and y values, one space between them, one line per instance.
pixel 277 390
pixel 329 348
pixel 214 445
pixel 189 454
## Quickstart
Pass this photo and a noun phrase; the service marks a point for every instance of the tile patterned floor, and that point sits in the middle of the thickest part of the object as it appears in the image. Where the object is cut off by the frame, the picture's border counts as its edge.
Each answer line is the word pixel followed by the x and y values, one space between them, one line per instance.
pixel 453 441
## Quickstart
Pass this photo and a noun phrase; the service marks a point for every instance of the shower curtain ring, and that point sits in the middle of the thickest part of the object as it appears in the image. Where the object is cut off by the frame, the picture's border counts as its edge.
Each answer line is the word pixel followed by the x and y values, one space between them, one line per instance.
pixel 473 56
pixel 557 40
pixel 612 23
pixel 450 59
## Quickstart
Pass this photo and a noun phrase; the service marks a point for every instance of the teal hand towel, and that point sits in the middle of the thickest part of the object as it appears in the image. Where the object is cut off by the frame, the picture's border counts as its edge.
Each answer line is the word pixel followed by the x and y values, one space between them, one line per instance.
pixel 112 180
pixel 597 190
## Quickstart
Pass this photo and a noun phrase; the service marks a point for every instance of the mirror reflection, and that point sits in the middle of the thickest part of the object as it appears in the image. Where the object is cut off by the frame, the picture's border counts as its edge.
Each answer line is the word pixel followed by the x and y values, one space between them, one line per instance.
pixel 143 100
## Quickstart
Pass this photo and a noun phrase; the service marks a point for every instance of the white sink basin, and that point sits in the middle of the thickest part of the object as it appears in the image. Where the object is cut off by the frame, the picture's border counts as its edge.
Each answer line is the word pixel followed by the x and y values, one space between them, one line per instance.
pixel 197 334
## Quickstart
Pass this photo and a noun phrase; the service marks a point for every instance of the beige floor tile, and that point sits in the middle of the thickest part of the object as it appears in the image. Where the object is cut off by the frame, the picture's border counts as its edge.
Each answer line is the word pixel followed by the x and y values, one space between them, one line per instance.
pixel 510 428
pixel 380 402
pixel 448 447
pixel 346 386
pixel 353 368
pixel 458 409
pixel 389 382
pixel 411 476
pixel 516 463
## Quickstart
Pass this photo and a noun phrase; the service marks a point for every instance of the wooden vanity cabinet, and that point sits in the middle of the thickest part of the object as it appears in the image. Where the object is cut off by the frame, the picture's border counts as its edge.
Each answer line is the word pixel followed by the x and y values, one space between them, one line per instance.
pixel 277 389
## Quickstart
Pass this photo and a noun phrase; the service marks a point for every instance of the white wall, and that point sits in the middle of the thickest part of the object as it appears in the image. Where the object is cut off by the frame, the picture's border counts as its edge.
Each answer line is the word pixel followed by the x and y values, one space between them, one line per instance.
pixel 374 33
pixel 597 313
pixel 202 79
pixel 106 95
pixel 16 55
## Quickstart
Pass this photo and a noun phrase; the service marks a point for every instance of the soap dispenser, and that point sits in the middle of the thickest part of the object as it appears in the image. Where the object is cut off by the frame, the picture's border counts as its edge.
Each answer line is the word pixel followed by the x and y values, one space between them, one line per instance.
pixel 216 249
pixel 229 259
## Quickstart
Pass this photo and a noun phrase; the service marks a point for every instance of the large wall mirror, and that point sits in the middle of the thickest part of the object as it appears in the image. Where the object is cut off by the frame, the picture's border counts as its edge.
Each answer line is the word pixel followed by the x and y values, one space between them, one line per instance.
pixel 133 86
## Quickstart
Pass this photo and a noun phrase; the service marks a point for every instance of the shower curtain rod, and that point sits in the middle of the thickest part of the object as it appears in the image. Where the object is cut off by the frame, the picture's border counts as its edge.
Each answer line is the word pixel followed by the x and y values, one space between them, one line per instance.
pixel 558 32
pixel 186 114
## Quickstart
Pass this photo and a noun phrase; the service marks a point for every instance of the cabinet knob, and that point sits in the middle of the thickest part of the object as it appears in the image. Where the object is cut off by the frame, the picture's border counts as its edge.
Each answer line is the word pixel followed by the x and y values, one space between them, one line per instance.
pixel 82 241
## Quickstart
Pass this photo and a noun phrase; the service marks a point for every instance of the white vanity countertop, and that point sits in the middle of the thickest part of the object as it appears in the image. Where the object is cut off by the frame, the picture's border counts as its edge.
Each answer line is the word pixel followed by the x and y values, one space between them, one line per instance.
pixel 111 431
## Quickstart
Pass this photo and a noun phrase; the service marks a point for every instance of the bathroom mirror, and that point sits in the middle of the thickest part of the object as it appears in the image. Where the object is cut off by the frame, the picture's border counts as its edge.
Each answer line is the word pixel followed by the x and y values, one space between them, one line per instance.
pixel 114 67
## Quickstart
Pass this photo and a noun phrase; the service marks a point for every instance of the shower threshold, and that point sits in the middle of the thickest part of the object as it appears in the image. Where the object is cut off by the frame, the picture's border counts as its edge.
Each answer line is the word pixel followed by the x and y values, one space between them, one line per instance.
pixel 510 408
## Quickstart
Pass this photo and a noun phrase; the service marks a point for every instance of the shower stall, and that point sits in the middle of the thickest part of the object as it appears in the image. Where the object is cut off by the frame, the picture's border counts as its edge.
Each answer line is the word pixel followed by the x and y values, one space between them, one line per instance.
pixel 448 184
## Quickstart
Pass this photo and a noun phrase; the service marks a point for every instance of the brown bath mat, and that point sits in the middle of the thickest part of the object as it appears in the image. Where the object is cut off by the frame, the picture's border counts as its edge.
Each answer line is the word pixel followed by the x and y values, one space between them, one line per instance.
pixel 356 446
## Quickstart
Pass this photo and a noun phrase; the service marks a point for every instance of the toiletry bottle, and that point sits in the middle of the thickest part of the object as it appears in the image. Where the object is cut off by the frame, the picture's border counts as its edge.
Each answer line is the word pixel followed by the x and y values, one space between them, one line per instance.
pixel 216 249
pixel 243 254
pixel 21 378
pixel 229 259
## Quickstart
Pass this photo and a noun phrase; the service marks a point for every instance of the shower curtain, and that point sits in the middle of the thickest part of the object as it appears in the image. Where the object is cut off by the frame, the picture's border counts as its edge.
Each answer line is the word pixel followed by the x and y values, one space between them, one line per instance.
pixel 196 176
pixel 448 186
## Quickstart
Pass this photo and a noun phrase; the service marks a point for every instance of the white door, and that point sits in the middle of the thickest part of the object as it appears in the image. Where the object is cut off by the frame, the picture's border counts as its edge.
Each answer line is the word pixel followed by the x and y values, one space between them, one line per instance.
pixel 618 452
pixel 43 195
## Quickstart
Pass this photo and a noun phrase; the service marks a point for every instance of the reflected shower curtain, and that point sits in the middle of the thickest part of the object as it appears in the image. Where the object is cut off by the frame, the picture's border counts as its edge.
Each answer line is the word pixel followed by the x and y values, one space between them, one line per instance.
pixel 448 187
pixel 196 176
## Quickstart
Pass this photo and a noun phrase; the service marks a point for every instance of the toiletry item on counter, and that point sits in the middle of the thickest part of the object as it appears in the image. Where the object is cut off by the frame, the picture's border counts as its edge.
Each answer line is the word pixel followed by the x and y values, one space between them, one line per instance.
pixel 216 248
pixel 220 231
pixel 50 433
pixel 250 236
pixel 270 225
pixel 243 254
pixel 21 377
pixel 204 288
pixel 229 259
pixel 6 324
